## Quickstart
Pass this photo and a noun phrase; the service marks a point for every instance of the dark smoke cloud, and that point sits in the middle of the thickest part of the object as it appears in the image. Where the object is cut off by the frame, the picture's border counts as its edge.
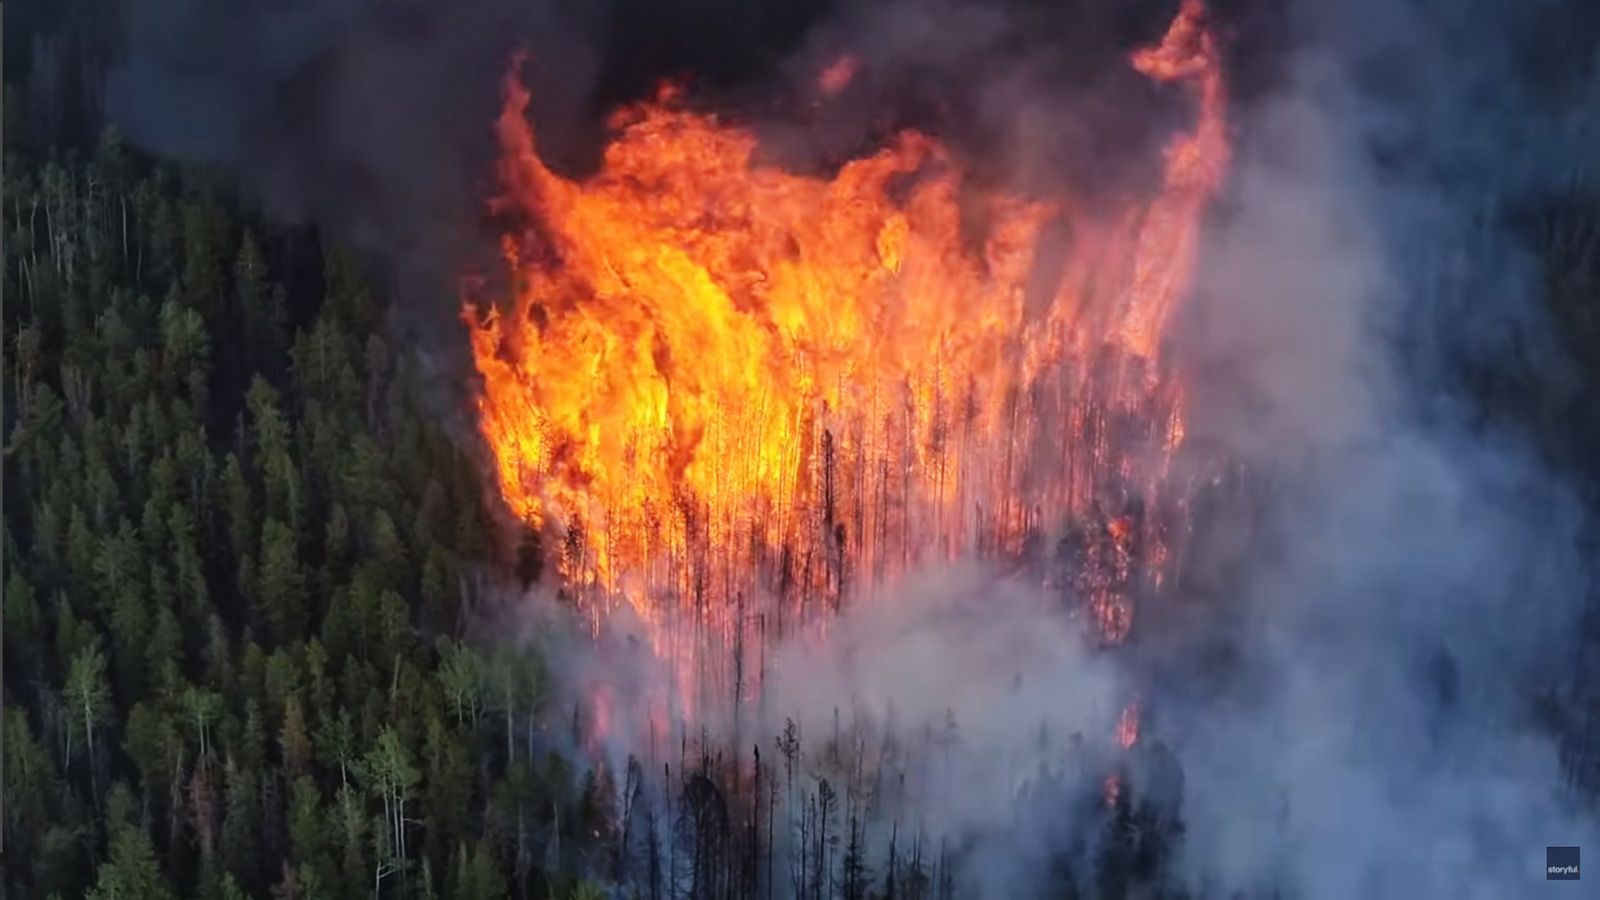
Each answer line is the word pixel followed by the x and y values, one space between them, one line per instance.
pixel 373 117
pixel 366 116
pixel 1350 679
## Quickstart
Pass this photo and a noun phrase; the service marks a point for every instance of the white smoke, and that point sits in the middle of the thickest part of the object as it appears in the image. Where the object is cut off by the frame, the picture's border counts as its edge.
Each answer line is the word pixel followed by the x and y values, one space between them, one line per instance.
pixel 958 646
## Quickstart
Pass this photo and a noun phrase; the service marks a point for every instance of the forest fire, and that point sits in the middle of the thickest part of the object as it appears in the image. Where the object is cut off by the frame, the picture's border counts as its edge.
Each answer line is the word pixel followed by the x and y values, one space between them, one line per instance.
pixel 901 450
pixel 742 395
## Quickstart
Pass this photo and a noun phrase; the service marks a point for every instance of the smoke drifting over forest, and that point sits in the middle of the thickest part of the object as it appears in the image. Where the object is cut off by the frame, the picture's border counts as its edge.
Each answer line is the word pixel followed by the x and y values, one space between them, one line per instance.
pixel 1376 596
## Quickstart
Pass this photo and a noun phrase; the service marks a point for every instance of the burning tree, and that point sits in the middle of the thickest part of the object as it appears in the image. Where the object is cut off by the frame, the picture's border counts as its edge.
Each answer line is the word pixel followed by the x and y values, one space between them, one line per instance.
pixel 732 392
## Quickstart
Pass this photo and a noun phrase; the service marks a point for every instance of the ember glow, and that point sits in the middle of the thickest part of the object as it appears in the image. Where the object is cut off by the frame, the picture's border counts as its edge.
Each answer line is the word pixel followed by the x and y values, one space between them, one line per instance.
pixel 838 75
pixel 737 397
pixel 1128 726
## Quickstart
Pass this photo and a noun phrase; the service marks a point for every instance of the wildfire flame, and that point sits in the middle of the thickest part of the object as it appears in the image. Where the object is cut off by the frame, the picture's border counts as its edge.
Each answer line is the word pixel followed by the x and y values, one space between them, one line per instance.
pixel 718 380
pixel 1128 726
pixel 837 75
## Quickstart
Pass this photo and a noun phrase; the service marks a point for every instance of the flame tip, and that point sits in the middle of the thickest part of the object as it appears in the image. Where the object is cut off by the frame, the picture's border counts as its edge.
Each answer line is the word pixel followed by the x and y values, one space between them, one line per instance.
pixel 714 375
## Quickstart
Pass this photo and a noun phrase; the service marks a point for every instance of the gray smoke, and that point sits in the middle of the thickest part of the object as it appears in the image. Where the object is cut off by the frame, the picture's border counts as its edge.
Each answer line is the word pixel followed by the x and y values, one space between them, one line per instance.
pixel 1414 592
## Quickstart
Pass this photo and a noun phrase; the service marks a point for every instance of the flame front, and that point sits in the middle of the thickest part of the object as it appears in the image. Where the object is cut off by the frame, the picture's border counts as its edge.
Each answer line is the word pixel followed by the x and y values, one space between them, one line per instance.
pixel 722 381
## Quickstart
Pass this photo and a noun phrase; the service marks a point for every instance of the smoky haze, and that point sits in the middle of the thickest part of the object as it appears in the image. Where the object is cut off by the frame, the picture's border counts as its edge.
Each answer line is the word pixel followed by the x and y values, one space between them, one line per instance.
pixel 1414 586
pixel 372 117
pixel 1375 600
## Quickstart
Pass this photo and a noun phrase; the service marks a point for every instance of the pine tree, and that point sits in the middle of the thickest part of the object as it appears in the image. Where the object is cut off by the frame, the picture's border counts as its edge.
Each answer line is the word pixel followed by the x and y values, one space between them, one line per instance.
pixel 269 430
pixel 281 582
pixel 477 876
pixel 239 506
pixel 241 826
pixel 28 776
pixel 309 829
pixel 185 352
pixel 260 307
pixel 447 797
pixel 293 741
pixel 130 873
pixel 24 624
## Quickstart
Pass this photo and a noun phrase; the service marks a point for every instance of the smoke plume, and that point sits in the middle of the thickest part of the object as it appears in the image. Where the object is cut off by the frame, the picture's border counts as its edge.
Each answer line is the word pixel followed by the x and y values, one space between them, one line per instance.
pixel 1413 589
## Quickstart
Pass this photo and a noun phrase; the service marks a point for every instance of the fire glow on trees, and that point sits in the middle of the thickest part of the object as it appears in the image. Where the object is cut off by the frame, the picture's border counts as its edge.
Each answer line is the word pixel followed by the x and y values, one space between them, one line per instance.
pixel 720 381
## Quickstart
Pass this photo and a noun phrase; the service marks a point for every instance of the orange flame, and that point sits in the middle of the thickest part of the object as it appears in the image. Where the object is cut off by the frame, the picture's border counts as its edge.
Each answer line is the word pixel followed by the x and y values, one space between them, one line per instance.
pixel 1111 789
pixel 1128 726
pixel 837 75
pixel 720 379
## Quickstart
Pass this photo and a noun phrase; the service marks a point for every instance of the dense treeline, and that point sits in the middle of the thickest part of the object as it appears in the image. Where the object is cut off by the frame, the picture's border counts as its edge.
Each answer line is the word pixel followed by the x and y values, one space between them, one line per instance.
pixel 237 559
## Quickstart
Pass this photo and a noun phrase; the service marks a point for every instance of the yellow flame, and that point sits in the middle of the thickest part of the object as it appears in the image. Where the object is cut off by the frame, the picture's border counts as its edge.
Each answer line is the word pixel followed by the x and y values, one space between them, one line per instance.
pixel 715 374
